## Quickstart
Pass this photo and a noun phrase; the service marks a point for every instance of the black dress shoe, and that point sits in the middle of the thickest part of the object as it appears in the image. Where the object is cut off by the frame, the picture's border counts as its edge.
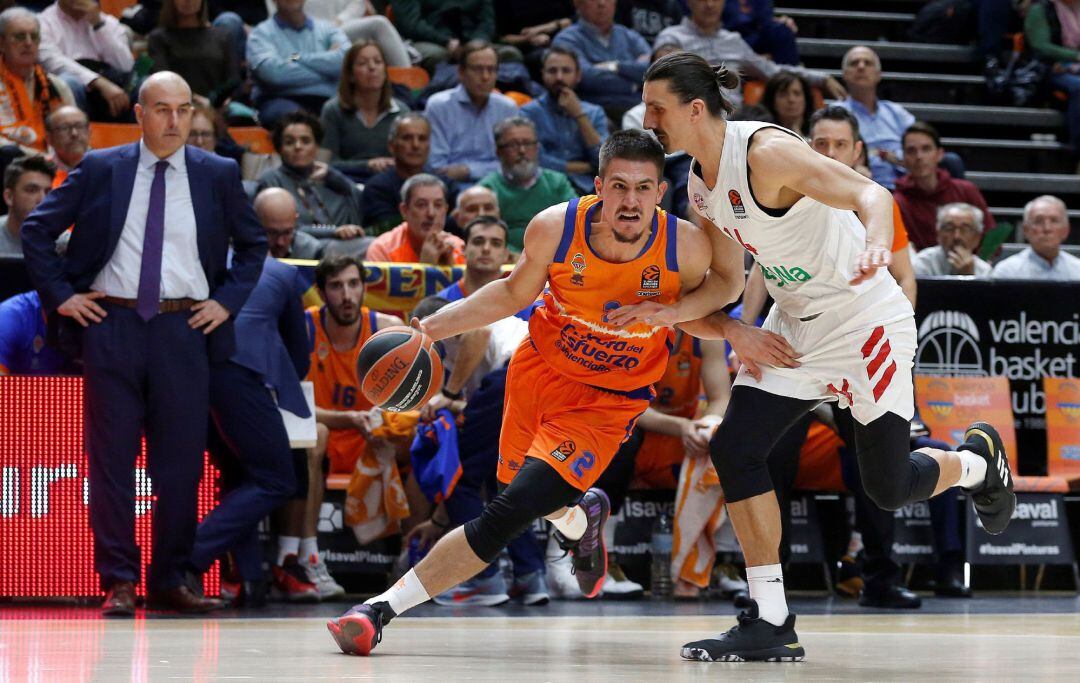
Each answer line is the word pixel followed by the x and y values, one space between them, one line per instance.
pixel 119 600
pixel 892 597
pixel 952 588
pixel 253 594
pixel 182 599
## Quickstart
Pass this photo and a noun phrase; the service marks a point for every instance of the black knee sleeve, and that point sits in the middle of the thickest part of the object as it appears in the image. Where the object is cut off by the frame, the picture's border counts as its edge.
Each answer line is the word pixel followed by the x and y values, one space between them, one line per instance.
pixel 741 464
pixel 536 491
pixel 892 475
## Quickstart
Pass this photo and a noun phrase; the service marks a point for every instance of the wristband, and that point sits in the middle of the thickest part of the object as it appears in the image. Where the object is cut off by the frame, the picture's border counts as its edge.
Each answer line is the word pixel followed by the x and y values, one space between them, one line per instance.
pixel 453 396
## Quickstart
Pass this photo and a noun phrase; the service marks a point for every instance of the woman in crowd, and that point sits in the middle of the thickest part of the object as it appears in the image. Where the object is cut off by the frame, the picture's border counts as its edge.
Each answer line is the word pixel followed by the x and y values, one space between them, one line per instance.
pixel 356 123
pixel 186 42
pixel 790 101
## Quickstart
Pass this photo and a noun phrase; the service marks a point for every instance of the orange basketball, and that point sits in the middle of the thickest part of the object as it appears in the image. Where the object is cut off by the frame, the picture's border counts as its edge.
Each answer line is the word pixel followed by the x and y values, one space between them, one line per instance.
pixel 399 369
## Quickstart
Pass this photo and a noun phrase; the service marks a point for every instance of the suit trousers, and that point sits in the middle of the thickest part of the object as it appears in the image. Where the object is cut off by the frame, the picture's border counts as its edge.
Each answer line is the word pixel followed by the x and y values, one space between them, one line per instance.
pixel 144 377
pixel 251 427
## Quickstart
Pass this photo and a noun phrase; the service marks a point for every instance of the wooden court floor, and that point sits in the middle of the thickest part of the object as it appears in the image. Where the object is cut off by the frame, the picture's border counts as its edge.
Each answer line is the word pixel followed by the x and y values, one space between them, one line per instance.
pixel 840 647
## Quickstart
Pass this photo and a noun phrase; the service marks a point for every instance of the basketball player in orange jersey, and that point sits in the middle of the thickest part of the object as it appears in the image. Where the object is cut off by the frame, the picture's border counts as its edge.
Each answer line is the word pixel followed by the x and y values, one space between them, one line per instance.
pixel 760 188
pixel 576 385
pixel 337 330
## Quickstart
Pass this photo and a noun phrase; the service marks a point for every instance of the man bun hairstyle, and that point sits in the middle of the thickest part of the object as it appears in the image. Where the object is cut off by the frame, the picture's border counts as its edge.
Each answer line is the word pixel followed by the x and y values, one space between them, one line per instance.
pixel 692 78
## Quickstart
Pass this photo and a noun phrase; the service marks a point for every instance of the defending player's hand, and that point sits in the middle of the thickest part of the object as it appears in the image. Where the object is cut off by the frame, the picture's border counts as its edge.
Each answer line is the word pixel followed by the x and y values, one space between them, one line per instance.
pixel 648 312
pixel 755 346
pixel 869 261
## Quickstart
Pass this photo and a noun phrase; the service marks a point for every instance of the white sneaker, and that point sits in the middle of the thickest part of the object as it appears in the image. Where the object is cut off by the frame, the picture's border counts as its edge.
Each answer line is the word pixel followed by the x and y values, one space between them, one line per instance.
pixel 318 574
pixel 618 587
pixel 727 580
pixel 562 584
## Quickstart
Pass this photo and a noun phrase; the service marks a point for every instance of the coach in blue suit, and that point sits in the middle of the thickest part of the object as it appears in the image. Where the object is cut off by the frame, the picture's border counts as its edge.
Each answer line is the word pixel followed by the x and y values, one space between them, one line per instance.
pixel 145 275
pixel 271 356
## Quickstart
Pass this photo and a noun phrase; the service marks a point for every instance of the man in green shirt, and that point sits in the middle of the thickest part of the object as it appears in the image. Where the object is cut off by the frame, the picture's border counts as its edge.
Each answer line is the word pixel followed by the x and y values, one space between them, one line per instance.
pixel 523 188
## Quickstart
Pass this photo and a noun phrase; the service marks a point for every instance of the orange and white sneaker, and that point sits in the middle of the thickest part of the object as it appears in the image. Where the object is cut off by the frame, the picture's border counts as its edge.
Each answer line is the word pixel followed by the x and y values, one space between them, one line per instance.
pixel 291 584
pixel 317 573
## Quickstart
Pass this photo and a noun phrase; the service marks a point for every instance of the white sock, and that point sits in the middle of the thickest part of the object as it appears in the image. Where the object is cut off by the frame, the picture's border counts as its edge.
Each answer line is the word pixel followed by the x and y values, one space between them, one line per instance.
pixel 572 524
pixel 767 590
pixel 287 545
pixel 309 547
pixel 972 469
pixel 406 593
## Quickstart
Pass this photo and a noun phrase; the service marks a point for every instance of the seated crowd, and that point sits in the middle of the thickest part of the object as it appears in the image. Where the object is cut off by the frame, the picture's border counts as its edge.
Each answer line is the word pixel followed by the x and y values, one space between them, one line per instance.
pixel 366 170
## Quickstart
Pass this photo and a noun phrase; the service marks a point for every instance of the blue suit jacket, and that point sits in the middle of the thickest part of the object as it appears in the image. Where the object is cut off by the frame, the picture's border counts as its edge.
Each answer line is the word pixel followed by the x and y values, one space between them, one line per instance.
pixel 271 334
pixel 95 198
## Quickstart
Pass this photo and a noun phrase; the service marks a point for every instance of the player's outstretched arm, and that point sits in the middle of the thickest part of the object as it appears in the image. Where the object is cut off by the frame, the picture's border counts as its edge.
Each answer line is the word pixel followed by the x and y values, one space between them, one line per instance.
pixel 709 282
pixel 505 297
pixel 781 160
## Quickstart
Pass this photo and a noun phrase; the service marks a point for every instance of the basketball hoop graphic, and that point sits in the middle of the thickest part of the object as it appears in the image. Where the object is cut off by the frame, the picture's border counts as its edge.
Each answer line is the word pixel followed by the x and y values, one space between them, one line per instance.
pixel 949 346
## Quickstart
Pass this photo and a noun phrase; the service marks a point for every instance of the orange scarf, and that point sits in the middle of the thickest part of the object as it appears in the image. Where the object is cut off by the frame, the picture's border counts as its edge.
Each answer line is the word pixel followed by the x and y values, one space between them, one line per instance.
pixel 23 120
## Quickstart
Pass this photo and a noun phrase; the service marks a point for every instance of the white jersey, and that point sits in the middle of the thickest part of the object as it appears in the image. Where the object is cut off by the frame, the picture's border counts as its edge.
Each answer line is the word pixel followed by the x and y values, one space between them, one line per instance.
pixel 807 252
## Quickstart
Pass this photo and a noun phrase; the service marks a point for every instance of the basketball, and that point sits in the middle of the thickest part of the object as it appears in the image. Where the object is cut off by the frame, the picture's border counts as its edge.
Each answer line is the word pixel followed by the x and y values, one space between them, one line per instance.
pixel 399 369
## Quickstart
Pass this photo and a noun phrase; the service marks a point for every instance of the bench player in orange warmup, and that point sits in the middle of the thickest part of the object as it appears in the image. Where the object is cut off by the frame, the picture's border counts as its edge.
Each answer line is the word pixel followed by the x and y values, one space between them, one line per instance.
pixel 575 386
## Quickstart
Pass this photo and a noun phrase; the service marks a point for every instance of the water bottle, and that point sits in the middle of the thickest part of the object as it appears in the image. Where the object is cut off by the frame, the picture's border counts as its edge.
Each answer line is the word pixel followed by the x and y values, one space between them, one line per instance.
pixel 660 577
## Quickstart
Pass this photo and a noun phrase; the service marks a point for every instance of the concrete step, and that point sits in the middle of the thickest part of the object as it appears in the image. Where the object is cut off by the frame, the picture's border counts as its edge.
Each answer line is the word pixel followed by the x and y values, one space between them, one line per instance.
pixel 848 24
pixel 987 121
pixel 907 6
pixel 1034 156
pixel 1015 215
pixel 931 88
pixel 1016 189
pixel 826 53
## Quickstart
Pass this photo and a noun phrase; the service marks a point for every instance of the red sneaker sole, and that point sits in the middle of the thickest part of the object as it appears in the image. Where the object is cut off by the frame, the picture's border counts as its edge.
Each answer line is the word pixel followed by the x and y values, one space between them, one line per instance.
pixel 354 635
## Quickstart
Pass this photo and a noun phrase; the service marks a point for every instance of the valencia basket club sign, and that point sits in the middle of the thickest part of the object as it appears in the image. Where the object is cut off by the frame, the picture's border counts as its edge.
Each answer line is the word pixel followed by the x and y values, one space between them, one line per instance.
pixel 46 547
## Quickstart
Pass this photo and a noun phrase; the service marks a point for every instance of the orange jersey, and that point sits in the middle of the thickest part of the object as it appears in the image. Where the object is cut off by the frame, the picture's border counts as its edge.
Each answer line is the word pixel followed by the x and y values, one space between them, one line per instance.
pixel 333 374
pixel 569 330
pixel 899 232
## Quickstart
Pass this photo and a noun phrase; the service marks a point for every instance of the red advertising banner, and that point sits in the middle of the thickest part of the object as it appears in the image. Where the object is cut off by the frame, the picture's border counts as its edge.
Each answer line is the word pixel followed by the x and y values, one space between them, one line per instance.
pixel 1062 425
pixel 46 547
pixel 949 404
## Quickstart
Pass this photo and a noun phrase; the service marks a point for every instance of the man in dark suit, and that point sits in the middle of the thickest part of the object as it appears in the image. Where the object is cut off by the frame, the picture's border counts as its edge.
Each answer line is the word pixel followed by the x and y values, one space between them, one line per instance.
pixel 145 275
pixel 271 357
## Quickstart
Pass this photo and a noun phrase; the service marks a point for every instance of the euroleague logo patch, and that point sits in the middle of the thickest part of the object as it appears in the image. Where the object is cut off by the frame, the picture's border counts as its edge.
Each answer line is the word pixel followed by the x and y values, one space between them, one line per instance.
pixel 650 277
pixel 564 450
pixel 736 203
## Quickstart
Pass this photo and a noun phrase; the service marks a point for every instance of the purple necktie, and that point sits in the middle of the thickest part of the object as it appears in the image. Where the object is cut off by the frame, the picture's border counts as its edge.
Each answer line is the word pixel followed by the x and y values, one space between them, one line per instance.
pixel 153 241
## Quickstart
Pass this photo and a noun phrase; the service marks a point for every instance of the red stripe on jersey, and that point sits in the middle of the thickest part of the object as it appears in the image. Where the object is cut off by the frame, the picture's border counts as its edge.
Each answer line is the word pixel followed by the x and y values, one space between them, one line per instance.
pixel 886 379
pixel 879 359
pixel 878 333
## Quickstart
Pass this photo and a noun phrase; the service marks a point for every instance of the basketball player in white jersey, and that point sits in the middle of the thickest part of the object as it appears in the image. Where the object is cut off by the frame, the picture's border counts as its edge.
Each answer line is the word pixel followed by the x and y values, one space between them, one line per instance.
pixel 761 188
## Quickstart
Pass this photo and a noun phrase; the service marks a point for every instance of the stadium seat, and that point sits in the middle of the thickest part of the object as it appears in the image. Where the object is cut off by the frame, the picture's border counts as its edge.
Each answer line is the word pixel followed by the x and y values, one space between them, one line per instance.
pixel 412 77
pixel 255 138
pixel 116 7
pixel 337 482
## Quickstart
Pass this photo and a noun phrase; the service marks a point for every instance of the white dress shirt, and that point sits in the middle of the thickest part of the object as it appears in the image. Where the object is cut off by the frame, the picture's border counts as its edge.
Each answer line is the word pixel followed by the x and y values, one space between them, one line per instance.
pixel 77 39
pixel 182 275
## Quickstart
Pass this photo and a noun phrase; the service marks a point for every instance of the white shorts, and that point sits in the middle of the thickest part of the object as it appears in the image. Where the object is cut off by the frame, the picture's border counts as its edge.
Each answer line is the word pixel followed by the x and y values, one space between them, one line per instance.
pixel 860 355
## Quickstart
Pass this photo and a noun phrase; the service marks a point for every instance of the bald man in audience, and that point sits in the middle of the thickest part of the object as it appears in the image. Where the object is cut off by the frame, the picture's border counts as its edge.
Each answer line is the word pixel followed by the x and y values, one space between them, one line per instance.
pixel 276 210
pixel 67 130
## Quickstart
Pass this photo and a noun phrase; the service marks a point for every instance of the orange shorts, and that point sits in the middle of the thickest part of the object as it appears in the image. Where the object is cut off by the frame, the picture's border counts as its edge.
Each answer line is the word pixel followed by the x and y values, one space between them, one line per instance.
pixel 575 428
pixel 343 449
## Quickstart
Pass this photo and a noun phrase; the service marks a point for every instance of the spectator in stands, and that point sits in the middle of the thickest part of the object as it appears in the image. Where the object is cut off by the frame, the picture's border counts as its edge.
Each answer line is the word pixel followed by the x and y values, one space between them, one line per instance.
pixel 188 44
pixel 570 130
pixel 27 94
pixel 927 186
pixel 472 203
pixel 789 101
pixel 96 41
pixel 703 34
pixel 882 122
pixel 361 22
pixel 421 237
pixel 649 17
pixel 486 250
pixel 1052 31
pixel 462 146
pixel 356 123
pixel 26 182
pixel 67 130
pixel 529 26
pixel 613 57
pixel 276 210
pixel 834 132
pixel 440 29
pixel 522 187
pixel 1046 226
pixel 767 33
pixel 959 232
pixel 23 347
pixel 329 202
pixel 203 129
pixel 295 62
pixel 409 144
pixel 340 328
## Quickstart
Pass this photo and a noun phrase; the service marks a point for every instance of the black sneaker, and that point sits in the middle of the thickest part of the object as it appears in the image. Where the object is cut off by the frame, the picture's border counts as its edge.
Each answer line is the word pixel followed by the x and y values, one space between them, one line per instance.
pixel 751 640
pixel 359 630
pixel 589 554
pixel 891 597
pixel 994 501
